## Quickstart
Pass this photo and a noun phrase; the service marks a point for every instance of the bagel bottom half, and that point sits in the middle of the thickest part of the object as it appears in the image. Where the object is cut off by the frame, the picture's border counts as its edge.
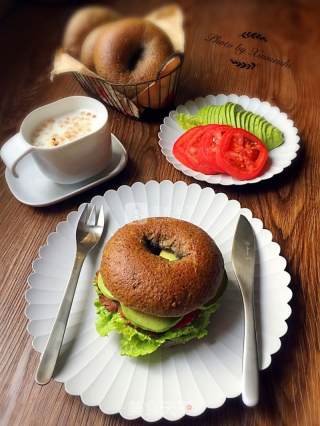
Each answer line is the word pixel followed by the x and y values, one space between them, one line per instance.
pixel 159 282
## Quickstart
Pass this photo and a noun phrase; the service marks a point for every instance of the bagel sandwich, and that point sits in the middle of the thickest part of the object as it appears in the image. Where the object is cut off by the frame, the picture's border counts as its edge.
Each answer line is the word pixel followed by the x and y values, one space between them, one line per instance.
pixel 160 279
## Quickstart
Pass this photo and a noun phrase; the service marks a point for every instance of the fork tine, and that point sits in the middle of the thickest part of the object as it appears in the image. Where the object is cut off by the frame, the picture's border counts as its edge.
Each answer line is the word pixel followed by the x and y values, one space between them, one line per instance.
pixel 92 216
pixel 100 221
pixel 84 215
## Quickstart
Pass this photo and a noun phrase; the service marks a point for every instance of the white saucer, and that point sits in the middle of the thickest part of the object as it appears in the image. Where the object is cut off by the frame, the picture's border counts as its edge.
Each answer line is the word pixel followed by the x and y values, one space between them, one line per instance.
pixel 34 189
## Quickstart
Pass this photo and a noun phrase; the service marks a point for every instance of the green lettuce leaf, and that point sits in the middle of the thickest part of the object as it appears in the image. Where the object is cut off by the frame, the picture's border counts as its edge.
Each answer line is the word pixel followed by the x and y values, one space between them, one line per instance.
pixel 137 342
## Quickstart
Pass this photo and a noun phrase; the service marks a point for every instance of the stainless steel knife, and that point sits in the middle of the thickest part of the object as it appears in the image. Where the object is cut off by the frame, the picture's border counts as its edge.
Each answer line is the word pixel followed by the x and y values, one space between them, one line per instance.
pixel 243 261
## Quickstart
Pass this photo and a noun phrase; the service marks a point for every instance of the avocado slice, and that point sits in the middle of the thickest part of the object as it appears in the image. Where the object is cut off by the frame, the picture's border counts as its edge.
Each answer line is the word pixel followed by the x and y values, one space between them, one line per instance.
pixel 224 117
pixel 260 126
pixel 149 322
pixel 207 114
pixel 220 117
pixel 220 114
pixel 213 114
pixel 216 114
pixel 243 120
pixel 166 254
pixel 268 136
pixel 227 107
pixel 234 109
pixel 238 119
pixel 225 111
pixel 250 122
pixel 274 138
pixel 264 131
pixel 202 114
pixel 247 120
pixel 277 139
pixel 255 124
pixel 238 108
pixel 232 114
pixel 103 288
pixel 266 123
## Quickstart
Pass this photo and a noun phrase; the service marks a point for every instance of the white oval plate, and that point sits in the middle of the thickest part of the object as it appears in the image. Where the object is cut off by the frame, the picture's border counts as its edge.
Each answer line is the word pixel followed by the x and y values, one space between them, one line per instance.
pixel 176 381
pixel 280 157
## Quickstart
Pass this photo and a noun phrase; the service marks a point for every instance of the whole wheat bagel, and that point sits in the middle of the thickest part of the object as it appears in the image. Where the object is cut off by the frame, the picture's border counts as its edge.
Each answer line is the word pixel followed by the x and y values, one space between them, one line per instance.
pixel 81 23
pixel 131 51
pixel 87 48
pixel 141 279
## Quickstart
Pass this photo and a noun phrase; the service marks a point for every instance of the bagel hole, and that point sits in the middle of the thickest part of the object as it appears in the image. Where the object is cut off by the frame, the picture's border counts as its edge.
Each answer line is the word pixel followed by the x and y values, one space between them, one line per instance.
pixel 152 246
pixel 135 58
pixel 155 248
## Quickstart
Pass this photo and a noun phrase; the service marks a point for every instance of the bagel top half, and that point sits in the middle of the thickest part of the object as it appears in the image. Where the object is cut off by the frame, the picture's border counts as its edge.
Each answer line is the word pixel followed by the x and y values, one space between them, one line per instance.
pixel 139 278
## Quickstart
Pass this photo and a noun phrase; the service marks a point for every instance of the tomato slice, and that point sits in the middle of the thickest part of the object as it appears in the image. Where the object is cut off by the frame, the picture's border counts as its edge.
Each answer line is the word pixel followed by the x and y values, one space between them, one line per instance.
pixel 187 319
pixel 188 150
pixel 213 136
pixel 196 148
pixel 241 154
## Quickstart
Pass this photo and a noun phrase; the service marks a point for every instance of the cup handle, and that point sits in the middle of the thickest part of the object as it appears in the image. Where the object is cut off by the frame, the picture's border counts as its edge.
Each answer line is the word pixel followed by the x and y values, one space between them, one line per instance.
pixel 13 151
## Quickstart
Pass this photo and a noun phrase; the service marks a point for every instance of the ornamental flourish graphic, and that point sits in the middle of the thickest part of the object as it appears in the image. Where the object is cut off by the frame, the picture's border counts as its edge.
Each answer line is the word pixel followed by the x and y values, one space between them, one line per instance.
pixel 243 65
pixel 256 36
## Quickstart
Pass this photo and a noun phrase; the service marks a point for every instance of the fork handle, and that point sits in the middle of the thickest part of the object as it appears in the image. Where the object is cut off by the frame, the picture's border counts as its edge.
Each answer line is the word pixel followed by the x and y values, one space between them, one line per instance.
pixel 50 355
pixel 250 385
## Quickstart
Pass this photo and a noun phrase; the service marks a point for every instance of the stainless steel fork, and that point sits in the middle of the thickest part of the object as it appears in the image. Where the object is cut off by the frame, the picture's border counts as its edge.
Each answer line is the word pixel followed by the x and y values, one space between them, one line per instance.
pixel 88 234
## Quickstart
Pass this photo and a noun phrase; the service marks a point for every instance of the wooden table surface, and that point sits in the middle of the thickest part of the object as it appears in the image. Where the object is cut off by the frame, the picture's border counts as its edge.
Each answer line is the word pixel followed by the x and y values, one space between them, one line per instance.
pixel 287 204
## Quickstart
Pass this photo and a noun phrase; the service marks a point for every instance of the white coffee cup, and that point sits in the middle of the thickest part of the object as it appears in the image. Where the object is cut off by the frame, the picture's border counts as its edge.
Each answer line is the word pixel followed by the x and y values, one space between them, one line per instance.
pixel 69 163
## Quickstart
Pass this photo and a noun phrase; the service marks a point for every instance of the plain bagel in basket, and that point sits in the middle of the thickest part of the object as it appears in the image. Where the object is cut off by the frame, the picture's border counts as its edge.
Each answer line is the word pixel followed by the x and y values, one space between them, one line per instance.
pixel 131 51
pixel 82 22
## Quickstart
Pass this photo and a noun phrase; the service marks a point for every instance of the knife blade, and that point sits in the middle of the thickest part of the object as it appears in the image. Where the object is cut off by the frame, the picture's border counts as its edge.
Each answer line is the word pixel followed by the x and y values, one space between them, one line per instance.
pixel 243 261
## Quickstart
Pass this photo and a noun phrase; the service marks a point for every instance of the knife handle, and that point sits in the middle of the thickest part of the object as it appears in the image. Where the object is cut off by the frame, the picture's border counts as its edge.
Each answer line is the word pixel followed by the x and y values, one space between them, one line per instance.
pixel 250 385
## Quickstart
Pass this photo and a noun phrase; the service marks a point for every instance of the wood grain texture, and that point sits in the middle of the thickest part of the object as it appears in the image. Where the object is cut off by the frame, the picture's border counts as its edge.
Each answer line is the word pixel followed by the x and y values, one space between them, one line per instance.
pixel 288 204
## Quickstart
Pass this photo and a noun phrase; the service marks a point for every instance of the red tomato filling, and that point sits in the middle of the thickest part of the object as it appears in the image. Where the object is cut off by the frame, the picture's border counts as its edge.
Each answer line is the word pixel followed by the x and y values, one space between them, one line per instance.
pixel 187 319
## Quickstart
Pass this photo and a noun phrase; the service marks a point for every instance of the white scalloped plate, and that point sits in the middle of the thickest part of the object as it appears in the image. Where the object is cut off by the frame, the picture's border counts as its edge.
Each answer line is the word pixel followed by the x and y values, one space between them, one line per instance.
pixel 176 381
pixel 280 157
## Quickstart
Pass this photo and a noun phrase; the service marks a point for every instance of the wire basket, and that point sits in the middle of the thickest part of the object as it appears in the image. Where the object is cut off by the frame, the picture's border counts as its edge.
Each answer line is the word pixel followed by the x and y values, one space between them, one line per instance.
pixel 134 99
